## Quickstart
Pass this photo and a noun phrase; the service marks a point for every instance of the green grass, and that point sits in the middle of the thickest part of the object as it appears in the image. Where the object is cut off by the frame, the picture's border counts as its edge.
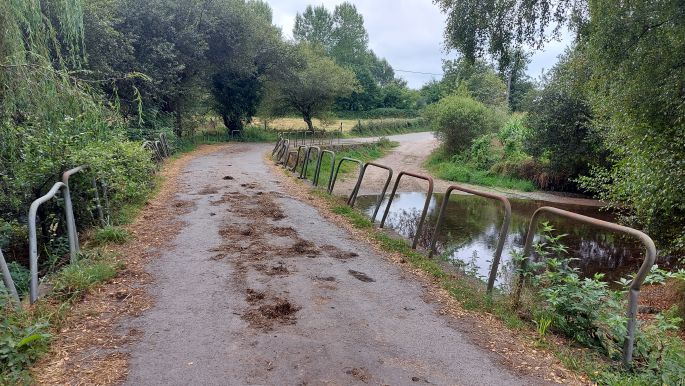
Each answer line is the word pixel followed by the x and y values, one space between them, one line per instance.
pixel 363 152
pixel 25 334
pixel 111 235
pixel 446 169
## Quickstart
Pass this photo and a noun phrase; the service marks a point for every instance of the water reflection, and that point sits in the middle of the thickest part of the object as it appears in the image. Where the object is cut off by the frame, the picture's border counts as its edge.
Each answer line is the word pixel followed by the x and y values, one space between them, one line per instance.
pixel 471 228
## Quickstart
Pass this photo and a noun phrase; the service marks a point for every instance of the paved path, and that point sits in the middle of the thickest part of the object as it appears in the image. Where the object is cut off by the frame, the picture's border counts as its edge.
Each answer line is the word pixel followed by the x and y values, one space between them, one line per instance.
pixel 258 288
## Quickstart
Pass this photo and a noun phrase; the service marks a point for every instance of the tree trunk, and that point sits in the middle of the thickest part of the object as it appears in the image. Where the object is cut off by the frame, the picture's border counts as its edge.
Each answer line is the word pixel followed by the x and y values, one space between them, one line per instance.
pixel 232 123
pixel 308 120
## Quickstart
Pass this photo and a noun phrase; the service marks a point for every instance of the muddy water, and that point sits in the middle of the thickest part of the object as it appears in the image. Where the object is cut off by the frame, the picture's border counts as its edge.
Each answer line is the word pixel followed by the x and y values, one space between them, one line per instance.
pixel 471 228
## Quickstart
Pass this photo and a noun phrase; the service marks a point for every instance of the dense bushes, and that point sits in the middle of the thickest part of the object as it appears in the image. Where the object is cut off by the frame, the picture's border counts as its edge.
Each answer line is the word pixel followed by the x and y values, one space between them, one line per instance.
pixel 459 119
pixel 380 113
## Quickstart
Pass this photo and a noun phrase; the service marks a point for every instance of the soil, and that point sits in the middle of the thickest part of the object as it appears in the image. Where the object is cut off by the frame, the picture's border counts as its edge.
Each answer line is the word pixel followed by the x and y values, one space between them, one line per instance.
pixel 259 284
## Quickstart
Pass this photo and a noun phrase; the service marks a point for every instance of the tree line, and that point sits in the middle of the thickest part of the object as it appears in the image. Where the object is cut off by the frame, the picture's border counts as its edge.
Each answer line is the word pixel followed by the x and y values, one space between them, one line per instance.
pixel 608 119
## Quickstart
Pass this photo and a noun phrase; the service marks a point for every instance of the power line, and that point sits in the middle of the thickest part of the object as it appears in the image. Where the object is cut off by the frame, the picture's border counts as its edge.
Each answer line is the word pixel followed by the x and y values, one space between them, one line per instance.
pixel 418 72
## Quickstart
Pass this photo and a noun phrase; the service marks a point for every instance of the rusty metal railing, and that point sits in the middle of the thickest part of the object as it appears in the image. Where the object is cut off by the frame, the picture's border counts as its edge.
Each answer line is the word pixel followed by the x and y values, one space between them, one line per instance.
pixel 357 187
pixel 429 195
pixel 502 232
pixel 305 165
pixel 287 159
pixel 282 153
pixel 278 145
pixel 9 283
pixel 33 238
pixel 337 170
pixel 635 285
pixel 317 171
pixel 297 160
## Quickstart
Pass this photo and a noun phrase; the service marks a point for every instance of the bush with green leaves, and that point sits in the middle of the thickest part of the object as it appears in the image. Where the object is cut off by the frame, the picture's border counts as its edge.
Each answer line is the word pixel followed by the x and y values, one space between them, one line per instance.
pixel 588 311
pixel 21 342
pixel 459 119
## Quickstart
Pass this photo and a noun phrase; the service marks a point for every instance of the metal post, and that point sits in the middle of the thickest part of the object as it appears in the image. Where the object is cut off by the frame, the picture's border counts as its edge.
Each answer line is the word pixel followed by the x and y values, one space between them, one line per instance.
pixel 502 233
pixel 634 290
pixel 9 283
pixel 337 170
pixel 429 195
pixel 355 192
pixel 33 238
pixel 305 165
pixel 317 171
pixel 72 232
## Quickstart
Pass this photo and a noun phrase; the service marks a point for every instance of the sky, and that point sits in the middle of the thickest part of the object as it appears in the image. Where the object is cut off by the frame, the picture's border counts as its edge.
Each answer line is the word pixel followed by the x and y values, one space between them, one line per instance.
pixel 408 33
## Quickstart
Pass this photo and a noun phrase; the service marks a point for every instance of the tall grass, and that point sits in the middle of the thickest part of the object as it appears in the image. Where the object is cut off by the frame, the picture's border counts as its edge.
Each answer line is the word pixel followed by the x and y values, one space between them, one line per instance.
pixel 448 169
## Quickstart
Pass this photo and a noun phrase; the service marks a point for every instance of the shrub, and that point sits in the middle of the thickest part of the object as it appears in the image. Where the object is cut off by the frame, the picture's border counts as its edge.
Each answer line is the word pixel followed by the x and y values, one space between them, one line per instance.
pixel 459 119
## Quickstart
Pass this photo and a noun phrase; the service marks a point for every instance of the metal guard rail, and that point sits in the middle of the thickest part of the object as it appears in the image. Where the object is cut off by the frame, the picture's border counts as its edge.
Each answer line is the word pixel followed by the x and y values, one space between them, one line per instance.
pixel 337 170
pixel 357 187
pixel 429 195
pixel 317 171
pixel 33 241
pixel 502 233
pixel 9 283
pixel 634 290
pixel 305 165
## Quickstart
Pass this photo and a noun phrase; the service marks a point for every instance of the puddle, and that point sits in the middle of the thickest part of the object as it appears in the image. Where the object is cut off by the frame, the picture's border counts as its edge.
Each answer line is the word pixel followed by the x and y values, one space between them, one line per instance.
pixel 471 228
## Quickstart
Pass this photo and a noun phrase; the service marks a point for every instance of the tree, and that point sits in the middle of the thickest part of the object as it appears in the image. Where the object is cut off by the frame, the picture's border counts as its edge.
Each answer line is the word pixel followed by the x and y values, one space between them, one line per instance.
pixel 315 26
pixel 459 119
pixel 350 39
pixel 479 78
pixel 309 82
pixel 499 28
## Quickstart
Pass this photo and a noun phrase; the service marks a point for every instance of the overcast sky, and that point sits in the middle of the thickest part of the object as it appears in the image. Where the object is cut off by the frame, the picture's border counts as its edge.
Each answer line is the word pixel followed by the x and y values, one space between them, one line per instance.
pixel 408 33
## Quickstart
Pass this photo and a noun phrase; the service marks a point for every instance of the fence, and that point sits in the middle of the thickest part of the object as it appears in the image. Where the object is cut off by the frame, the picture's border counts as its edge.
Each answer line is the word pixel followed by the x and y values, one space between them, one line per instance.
pixel 635 286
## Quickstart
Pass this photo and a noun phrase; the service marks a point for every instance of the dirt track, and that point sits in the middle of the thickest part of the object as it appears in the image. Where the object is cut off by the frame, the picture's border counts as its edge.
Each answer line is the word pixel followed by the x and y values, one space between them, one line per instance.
pixel 259 288
pixel 410 155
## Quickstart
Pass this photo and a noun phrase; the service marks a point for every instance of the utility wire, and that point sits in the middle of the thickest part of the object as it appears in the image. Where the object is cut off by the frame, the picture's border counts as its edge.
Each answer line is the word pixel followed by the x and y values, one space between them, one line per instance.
pixel 417 72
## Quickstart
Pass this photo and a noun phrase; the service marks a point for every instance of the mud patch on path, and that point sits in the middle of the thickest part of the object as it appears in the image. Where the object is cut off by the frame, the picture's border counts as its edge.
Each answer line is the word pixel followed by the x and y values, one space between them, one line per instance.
pixel 360 373
pixel 361 276
pixel 267 313
pixel 278 270
pixel 338 253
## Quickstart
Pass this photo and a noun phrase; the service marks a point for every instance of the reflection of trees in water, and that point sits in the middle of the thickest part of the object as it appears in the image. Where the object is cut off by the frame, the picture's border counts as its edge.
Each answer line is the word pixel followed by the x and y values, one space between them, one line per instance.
pixel 472 224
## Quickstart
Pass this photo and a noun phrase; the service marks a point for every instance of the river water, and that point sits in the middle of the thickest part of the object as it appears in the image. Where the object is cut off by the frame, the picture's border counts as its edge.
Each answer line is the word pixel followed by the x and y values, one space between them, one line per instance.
pixel 471 227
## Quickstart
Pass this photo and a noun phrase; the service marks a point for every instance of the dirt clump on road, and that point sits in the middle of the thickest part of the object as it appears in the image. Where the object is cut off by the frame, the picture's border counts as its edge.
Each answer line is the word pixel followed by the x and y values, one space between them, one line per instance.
pixel 361 276
pixel 338 253
pixel 276 311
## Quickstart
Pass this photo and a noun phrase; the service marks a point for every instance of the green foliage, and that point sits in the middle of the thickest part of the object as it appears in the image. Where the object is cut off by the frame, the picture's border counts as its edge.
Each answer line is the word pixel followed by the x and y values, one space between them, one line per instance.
pixel 388 127
pixel 21 343
pixel 379 113
pixel 637 59
pixel 111 234
pixel 75 279
pixel 453 169
pixel 560 121
pixel 589 312
pixel 459 119
pixel 310 85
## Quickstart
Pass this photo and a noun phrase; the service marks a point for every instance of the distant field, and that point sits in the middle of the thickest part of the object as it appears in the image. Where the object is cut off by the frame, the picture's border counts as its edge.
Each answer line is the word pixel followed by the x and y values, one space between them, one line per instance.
pixel 298 124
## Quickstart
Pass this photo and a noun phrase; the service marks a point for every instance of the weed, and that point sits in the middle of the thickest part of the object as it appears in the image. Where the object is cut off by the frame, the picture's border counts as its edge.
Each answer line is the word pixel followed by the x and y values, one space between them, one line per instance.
pixel 77 278
pixel 111 234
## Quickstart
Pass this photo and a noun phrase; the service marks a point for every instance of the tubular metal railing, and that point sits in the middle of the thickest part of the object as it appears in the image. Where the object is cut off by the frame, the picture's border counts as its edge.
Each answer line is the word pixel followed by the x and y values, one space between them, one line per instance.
pixel 317 171
pixel 429 195
pixel 305 165
pixel 634 289
pixel 337 170
pixel 357 187
pixel 33 239
pixel 502 232
pixel 9 283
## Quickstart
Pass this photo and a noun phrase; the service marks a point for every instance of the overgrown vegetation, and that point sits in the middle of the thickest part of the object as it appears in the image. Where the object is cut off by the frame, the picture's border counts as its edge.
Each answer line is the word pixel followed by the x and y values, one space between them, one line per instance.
pixel 26 333
pixel 608 118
